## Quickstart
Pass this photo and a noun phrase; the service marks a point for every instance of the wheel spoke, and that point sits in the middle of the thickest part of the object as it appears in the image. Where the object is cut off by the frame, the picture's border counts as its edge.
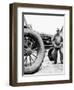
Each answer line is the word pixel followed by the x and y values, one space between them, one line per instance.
pixel 31 58
pixel 25 49
pixel 31 45
pixel 34 55
pixel 26 44
pixel 35 49
pixel 26 60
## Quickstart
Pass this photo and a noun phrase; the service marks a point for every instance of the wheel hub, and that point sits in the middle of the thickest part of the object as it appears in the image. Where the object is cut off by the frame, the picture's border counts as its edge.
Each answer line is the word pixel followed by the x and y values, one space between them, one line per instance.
pixel 29 51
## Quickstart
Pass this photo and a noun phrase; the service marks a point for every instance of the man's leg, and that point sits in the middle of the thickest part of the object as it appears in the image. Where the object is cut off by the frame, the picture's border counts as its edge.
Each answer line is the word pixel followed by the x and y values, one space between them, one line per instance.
pixel 61 55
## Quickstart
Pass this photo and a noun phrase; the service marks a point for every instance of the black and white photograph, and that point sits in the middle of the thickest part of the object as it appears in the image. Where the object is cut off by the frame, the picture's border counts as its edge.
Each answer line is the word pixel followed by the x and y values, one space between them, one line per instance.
pixel 42 43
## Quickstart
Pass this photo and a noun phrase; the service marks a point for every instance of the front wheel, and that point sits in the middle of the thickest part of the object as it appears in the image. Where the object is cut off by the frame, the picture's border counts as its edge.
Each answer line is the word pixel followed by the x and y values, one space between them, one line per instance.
pixel 33 51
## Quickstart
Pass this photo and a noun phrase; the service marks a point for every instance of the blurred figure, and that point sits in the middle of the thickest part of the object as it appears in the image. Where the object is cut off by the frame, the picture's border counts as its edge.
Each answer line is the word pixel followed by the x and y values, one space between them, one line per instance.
pixel 58 44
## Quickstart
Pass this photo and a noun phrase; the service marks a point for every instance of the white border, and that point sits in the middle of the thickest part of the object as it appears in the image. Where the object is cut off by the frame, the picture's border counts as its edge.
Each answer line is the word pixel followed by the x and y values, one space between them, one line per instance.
pixel 20 78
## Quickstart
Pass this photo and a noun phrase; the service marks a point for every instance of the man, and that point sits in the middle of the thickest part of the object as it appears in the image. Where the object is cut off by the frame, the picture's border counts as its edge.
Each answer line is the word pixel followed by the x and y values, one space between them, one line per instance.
pixel 58 44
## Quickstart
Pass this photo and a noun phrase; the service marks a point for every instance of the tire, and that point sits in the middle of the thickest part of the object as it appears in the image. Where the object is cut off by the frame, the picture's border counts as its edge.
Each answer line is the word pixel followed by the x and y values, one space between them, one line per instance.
pixel 52 54
pixel 36 43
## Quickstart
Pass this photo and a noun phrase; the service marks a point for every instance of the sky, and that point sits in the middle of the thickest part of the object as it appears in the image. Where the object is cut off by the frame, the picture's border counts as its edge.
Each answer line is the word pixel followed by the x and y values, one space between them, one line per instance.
pixel 47 24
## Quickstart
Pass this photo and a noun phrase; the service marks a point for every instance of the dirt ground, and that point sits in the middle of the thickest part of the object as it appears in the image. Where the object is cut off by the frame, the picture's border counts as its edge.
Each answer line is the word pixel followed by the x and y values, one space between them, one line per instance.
pixel 48 68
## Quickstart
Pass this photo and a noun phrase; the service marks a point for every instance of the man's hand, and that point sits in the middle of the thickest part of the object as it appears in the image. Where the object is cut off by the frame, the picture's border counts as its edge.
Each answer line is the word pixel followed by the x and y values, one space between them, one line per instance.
pixel 58 46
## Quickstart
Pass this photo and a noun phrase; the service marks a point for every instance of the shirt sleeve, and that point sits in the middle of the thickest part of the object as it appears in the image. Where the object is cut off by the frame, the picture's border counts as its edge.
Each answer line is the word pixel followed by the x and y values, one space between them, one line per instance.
pixel 61 39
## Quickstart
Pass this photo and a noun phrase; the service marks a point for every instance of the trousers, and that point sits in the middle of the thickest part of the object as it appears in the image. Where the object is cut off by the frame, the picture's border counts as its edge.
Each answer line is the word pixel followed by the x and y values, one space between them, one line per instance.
pixel 56 55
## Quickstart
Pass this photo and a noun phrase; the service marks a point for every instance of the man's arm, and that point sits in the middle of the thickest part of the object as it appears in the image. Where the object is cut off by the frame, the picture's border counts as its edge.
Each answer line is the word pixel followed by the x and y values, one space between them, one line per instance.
pixel 53 42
